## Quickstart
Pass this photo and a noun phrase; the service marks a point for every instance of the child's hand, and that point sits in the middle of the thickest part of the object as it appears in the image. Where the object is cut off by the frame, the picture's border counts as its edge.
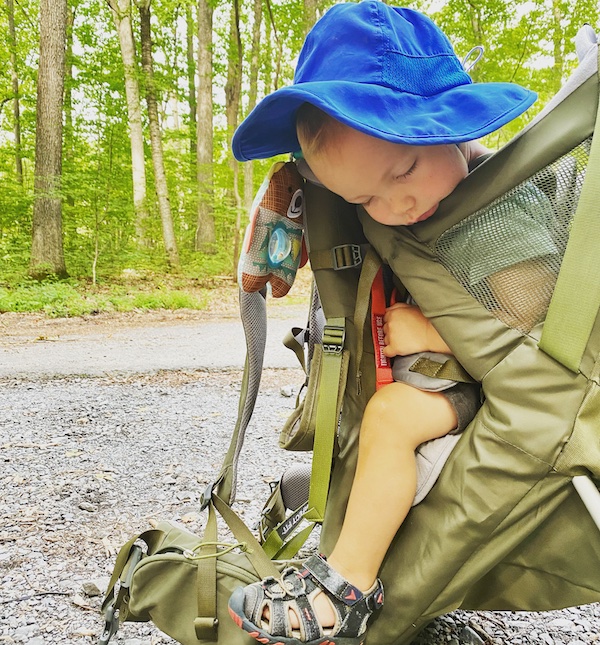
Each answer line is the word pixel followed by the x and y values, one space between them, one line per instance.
pixel 407 331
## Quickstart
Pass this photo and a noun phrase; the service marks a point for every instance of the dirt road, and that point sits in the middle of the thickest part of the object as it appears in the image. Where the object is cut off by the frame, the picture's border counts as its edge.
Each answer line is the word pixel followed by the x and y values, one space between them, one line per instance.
pixel 109 422
pixel 95 346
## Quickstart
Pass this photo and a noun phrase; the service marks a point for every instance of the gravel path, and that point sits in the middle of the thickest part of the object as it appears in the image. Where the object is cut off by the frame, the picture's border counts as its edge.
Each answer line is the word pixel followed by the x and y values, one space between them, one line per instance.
pixel 89 460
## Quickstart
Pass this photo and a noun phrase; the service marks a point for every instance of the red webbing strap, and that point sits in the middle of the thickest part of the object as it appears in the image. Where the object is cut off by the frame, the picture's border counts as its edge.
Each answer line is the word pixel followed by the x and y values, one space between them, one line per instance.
pixel 383 365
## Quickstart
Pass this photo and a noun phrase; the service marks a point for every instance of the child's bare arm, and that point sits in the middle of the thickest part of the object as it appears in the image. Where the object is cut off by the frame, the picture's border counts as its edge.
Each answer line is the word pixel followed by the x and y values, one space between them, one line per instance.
pixel 407 331
pixel 523 293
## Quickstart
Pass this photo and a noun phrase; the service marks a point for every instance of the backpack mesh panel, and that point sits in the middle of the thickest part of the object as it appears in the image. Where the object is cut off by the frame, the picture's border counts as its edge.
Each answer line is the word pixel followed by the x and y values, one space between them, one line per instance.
pixel 508 254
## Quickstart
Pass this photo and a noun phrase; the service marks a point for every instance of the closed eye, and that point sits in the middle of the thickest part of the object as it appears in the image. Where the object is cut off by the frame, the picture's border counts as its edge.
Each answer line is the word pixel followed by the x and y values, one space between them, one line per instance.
pixel 409 172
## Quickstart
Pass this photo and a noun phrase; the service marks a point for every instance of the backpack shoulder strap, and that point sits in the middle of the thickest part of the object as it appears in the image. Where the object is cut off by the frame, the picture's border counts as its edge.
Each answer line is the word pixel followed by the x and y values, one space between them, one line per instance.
pixel 573 310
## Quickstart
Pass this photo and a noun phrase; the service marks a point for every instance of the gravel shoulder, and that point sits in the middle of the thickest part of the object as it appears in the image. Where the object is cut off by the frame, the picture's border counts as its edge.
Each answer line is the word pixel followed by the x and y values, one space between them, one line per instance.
pixel 89 458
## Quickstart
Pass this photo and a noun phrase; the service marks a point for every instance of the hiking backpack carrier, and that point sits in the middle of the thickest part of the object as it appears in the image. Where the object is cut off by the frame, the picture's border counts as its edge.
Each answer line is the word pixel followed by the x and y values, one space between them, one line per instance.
pixel 492 533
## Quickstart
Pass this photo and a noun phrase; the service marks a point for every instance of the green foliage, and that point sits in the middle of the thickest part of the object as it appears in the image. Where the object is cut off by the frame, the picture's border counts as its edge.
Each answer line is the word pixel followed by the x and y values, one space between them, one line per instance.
pixel 71 298
pixel 528 43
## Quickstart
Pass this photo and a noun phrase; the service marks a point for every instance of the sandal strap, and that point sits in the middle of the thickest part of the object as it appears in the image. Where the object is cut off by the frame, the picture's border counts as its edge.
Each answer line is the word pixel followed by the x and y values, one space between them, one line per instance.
pixel 295 590
pixel 339 587
pixel 331 580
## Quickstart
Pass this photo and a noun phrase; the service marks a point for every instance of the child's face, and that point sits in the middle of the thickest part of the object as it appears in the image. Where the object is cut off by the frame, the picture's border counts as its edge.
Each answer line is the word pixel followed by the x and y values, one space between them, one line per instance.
pixel 397 184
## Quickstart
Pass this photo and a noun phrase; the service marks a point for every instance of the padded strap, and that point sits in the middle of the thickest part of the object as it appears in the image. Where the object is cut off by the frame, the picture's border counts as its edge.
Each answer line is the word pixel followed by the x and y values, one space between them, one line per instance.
pixel 253 310
pixel 576 298
pixel 326 422
pixel 371 280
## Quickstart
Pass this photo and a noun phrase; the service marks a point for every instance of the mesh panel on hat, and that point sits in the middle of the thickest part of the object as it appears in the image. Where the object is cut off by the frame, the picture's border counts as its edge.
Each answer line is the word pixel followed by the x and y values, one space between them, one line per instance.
pixel 422 76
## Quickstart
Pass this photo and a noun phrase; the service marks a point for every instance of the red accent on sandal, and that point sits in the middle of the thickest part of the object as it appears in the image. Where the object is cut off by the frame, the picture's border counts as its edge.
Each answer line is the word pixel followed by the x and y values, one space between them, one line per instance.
pixel 351 595
pixel 236 619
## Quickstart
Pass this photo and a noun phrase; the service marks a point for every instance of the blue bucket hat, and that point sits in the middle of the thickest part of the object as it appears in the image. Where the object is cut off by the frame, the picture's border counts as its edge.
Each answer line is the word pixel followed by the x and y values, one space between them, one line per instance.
pixel 386 71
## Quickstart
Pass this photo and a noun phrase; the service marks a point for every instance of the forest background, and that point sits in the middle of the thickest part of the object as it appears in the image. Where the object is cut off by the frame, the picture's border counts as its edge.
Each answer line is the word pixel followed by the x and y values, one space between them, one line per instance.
pixel 118 188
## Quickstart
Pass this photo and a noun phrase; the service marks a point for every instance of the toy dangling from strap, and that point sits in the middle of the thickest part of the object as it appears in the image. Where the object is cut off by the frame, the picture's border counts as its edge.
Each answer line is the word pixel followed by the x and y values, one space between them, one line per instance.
pixel 273 248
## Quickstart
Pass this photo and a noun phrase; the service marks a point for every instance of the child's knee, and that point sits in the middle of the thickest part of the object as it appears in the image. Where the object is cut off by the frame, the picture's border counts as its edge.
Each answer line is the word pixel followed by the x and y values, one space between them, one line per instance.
pixel 400 409
pixel 387 407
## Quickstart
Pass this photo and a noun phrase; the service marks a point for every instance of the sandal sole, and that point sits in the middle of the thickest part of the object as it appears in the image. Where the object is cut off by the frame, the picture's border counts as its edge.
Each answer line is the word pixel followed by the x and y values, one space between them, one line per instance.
pixel 236 611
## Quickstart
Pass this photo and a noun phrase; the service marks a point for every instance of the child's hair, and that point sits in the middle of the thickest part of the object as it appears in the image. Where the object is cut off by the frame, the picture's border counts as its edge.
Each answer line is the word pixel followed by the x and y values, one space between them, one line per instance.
pixel 315 128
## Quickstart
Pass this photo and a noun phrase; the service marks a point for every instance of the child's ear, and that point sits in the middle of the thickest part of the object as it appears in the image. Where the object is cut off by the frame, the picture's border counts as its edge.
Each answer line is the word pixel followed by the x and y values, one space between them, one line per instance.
pixel 273 244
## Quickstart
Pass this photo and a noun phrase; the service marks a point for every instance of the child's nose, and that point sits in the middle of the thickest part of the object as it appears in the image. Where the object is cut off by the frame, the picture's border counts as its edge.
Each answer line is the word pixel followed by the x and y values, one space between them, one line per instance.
pixel 401 204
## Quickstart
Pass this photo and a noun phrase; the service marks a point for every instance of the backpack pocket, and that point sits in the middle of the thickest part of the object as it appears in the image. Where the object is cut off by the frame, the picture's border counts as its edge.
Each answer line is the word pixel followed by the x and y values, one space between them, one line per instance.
pixel 298 432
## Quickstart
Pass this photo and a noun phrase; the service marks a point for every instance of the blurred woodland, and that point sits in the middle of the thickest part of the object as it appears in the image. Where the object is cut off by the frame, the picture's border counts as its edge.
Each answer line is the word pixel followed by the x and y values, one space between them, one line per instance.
pixel 116 118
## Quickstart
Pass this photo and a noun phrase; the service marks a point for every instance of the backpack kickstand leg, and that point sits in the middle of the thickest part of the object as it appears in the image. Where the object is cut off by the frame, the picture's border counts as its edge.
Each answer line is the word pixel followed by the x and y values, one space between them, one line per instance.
pixel 590 496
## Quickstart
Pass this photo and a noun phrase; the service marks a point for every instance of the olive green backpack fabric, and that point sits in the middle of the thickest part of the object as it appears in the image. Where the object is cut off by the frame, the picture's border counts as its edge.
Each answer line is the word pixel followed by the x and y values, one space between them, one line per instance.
pixel 503 528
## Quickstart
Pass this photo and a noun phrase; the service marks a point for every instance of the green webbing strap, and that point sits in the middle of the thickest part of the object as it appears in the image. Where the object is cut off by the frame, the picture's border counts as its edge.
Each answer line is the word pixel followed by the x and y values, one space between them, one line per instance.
pixel 261 563
pixel 344 256
pixel 124 566
pixel 206 622
pixel 576 298
pixel 277 549
pixel 291 547
pixel 450 369
pixel 326 421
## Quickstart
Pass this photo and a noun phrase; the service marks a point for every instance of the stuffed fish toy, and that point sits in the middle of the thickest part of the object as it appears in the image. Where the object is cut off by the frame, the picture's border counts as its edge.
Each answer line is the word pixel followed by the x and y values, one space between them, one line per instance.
pixel 273 247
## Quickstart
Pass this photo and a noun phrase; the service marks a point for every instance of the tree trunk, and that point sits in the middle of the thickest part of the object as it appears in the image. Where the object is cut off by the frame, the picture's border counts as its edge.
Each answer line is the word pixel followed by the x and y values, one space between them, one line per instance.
pixel 122 16
pixel 310 15
pixel 233 90
pixel 160 178
pixel 273 70
pixel 252 94
pixel 68 107
pixel 10 7
pixel 479 36
pixel 205 230
pixel 47 255
pixel 191 79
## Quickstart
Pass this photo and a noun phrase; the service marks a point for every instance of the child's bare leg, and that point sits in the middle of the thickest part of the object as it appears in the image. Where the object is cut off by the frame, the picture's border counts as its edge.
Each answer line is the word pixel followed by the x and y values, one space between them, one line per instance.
pixel 397 419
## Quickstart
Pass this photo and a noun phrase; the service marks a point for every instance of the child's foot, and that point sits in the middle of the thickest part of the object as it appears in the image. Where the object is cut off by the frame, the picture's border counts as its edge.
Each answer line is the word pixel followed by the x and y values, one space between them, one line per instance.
pixel 292 596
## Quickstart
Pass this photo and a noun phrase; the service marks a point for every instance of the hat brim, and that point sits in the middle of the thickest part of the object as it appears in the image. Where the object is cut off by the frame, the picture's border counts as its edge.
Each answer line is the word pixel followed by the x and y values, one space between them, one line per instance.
pixel 463 113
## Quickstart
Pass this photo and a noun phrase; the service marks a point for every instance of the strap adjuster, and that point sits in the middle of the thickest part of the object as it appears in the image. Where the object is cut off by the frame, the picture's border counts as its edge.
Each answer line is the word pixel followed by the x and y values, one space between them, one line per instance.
pixel 111 625
pixel 346 256
pixel 206 496
pixel 333 339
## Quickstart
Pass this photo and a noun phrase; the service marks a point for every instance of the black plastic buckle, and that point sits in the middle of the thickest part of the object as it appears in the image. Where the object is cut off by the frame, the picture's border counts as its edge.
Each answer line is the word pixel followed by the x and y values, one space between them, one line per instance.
pixel 111 614
pixel 346 256
pixel 111 626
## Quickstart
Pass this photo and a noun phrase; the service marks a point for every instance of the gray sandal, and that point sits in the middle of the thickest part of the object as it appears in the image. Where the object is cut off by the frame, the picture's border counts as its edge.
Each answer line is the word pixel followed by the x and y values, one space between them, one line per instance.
pixel 295 591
